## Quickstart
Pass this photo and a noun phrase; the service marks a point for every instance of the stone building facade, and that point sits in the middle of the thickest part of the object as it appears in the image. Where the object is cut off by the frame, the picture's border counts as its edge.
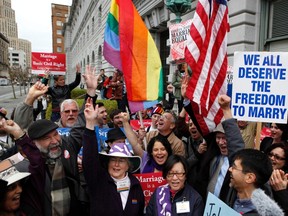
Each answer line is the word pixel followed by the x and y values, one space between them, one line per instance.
pixel 256 25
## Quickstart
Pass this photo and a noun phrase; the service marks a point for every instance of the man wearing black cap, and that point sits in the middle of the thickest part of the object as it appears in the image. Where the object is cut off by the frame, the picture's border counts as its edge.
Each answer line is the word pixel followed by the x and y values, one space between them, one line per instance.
pixel 54 186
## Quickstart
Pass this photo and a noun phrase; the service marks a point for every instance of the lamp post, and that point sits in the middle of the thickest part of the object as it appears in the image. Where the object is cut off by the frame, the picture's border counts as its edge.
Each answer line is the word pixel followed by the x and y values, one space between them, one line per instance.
pixel 178 7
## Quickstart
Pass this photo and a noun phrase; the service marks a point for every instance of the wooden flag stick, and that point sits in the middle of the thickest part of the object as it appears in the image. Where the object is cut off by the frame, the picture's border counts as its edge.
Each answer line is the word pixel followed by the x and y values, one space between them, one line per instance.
pixel 258 134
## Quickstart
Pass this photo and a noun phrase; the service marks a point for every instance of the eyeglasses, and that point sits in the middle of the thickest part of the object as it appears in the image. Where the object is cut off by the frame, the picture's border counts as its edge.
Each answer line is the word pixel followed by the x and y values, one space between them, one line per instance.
pixel 68 111
pixel 277 157
pixel 233 167
pixel 179 175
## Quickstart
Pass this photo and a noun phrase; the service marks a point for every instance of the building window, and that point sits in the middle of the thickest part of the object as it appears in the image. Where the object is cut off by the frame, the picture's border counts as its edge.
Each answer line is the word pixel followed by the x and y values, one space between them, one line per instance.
pixel 59 40
pixel 88 32
pixel 278 19
pixel 99 16
pixel 59 32
pixel 93 23
pixel 58 23
pixel 59 49
pixel 276 35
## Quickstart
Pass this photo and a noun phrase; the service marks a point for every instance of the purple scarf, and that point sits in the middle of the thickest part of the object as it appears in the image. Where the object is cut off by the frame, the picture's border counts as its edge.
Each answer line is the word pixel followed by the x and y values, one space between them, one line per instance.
pixel 151 165
pixel 163 200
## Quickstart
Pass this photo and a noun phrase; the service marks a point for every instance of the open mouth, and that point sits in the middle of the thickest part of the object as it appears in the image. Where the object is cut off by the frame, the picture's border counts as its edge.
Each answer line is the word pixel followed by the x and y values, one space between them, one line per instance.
pixel 54 148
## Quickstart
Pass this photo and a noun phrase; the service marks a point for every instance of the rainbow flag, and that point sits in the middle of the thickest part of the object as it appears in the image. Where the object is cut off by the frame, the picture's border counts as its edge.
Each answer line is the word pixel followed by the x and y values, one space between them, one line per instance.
pixel 129 47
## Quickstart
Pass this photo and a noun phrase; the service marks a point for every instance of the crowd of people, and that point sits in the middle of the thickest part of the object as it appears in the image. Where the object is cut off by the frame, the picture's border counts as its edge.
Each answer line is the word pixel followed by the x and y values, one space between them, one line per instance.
pixel 45 173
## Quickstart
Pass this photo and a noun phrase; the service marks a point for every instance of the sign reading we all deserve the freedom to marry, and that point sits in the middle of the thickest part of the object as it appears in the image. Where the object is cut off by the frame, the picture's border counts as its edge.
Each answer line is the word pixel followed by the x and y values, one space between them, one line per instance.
pixel 260 86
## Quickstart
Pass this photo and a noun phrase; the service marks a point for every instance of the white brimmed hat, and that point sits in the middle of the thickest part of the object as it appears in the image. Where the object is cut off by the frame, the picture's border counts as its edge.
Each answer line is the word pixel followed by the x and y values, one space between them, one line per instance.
pixel 12 175
pixel 121 150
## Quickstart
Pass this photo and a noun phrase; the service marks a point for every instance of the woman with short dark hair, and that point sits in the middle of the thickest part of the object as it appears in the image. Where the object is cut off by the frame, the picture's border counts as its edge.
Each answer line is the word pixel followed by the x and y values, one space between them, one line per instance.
pixel 176 197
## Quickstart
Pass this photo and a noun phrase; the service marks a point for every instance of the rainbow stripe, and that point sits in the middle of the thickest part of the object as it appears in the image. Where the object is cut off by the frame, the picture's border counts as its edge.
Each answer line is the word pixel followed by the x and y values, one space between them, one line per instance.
pixel 129 47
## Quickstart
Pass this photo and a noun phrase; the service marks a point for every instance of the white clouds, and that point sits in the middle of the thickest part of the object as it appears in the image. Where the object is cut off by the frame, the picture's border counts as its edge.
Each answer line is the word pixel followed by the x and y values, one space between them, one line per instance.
pixel 33 18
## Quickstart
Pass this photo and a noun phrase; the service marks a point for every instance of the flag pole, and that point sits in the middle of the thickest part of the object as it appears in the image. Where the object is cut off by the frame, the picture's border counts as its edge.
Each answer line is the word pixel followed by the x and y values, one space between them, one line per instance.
pixel 142 126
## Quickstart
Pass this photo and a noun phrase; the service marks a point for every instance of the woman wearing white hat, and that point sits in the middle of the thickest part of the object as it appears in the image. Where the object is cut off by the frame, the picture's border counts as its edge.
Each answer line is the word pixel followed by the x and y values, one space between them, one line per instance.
pixel 108 175
pixel 11 189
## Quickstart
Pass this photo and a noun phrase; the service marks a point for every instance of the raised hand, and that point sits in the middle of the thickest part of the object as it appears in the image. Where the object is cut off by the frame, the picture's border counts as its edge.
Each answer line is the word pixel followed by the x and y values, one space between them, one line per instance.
pixel 224 102
pixel 278 180
pixel 78 68
pixel 37 90
pixel 124 117
pixel 11 127
pixel 184 85
pixel 91 114
pixel 91 80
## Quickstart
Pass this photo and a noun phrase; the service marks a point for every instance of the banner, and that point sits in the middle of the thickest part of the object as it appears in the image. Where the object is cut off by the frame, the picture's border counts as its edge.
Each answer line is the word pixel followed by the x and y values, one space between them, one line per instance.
pixel 135 124
pixel 54 62
pixel 177 37
pixel 149 182
pixel 260 86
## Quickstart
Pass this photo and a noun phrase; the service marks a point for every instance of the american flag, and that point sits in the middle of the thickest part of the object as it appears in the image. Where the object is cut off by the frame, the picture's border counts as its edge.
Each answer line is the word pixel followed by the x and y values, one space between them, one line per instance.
pixel 206 54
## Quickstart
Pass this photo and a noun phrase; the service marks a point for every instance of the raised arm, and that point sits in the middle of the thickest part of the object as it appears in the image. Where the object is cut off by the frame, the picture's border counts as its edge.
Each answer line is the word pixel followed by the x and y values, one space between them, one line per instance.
pixel 131 136
pixel 24 111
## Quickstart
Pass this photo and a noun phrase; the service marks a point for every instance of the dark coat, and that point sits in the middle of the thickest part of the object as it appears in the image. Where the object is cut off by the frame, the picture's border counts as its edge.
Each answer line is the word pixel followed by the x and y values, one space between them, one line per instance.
pixel 34 192
pixel 188 194
pixel 104 198
pixel 201 173
pixel 60 93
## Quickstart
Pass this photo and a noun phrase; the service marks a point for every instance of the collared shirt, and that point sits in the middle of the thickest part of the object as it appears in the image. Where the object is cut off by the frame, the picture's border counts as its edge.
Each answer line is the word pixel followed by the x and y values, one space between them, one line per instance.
pixel 243 205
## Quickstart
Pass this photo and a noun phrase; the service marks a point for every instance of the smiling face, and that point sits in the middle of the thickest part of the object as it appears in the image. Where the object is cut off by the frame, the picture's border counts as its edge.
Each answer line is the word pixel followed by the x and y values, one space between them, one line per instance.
pixel 276 133
pixel 159 153
pixel 155 117
pixel 166 123
pixel 12 199
pixel 222 143
pixel 237 177
pixel 50 144
pixel 118 167
pixel 193 131
pixel 277 157
pixel 117 121
pixel 102 116
pixel 176 177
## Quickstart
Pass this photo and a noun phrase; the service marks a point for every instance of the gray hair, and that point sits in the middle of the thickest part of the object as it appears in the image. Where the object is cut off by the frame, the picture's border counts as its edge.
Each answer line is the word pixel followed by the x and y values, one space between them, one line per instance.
pixel 68 101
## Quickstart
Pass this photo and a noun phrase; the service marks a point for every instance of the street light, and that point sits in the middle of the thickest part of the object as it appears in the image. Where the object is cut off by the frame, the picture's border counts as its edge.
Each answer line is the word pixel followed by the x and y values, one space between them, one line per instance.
pixel 178 7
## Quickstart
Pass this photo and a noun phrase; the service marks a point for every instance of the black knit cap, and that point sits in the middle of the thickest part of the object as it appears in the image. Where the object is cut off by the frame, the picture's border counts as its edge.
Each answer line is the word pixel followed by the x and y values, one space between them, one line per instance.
pixel 114 134
pixel 40 128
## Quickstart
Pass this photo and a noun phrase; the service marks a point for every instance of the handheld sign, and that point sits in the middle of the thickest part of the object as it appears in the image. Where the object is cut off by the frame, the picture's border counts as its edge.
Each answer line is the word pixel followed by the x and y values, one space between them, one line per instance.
pixel 216 207
pixel 54 62
pixel 178 34
pixel 260 86
pixel 101 134
pixel 149 182
pixel 64 131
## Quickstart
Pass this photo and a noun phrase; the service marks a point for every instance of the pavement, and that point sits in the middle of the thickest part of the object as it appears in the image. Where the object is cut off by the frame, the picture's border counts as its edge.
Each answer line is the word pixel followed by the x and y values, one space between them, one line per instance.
pixel 9 103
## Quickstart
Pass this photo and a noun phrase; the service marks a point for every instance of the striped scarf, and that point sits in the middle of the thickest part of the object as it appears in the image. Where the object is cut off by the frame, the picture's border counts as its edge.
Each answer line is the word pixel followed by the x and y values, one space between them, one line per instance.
pixel 60 193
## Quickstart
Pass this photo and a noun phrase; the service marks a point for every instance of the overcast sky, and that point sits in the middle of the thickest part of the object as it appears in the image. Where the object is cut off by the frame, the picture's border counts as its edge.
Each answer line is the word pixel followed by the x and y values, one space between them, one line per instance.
pixel 33 18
